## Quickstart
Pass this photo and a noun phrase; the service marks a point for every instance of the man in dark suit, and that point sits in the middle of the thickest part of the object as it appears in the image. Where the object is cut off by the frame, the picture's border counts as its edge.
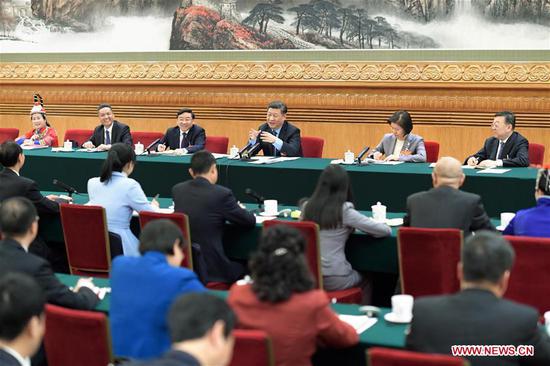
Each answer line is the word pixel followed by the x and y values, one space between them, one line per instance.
pixel 19 225
pixel 276 137
pixel 506 148
pixel 209 206
pixel 13 185
pixel 186 136
pixel 477 315
pixel 22 320
pixel 201 328
pixel 109 131
pixel 445 205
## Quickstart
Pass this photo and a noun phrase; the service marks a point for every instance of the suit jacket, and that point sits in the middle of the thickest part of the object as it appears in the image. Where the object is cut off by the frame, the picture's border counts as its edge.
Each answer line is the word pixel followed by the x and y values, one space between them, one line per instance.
pixel 196 136
pixel 8 360
pixel 119 133
pixel 13 258
pixel 534 221
pixel 413 143
pixel 209 206
pixel 289 134
pixel 447 207
pixel 170 358
pixel 295 326
pixel 150 285
pixel 515 151
pixel 13 185
pixel 477 317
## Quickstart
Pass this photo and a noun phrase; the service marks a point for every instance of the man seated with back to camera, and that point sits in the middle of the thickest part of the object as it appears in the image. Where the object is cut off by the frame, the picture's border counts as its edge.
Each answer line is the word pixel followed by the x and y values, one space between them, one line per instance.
pixel 276 137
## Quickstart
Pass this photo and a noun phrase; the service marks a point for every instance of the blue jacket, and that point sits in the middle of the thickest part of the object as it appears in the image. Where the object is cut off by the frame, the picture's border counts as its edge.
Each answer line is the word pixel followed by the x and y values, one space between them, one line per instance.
pixel 142 290
pixel 534 221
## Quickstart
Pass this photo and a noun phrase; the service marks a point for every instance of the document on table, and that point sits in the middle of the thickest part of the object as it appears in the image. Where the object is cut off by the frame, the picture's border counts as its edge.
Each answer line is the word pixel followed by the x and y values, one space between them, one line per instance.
pixel 89 150
pixel 359 322
pixel 493 171
pixel 272 160
pixel 219 156
pixel 33 147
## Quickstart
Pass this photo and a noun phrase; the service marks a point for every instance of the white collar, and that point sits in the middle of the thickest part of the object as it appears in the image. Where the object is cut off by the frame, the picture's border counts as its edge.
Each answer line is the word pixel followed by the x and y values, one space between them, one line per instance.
pixel 24 361
pixel 110 129
pixel 16 172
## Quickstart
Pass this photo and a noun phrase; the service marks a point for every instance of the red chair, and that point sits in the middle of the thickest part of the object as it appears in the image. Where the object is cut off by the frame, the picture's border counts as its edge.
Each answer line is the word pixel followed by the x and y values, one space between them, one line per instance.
pixel 146 138
pixel 310 230
pixel 78 135
pixel 217 144
pixel 8 134
pixel 378 356
pixel 428 260
pixel 179 219
pixel 432 151
pixel 252 348
pixel 77 337
pixel 86 239
pixel 536 154
pixel 530 279
pixel 312 147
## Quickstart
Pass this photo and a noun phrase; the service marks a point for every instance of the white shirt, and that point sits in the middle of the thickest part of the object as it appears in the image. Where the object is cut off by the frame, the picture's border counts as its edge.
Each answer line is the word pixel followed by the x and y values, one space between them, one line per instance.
pixel 110 129
pixel 398 146
pixel 24 361
pixel 500 145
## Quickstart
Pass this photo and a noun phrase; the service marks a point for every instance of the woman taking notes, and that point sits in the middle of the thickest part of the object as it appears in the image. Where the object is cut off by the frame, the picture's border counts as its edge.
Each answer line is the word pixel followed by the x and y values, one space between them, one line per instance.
pixel 120 195
pixel 401 144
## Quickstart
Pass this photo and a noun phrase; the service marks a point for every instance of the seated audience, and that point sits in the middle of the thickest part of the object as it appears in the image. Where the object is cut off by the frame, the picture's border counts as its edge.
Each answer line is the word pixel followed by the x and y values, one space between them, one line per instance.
pixel 506 148
pixel 276 137
pixel 201 327
pixel 143 289
pixel 109 132
pixel 534 221
pixel 19 225
pixel 401 144
pixel 186 137
pixel 445 205
pixel 119 194
pixel 477 315
pixel 209 206
pixel 331 207
pixel 22 320
pixel 282 301
pixel 42 133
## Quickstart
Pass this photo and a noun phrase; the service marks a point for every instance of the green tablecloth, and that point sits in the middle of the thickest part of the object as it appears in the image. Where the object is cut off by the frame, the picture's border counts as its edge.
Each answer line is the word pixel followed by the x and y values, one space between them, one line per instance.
pixel 382 334
pixel 288 181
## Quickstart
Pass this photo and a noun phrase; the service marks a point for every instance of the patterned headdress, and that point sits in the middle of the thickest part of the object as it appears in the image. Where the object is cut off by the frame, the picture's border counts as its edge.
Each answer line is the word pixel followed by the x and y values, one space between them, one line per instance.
pixel 38 106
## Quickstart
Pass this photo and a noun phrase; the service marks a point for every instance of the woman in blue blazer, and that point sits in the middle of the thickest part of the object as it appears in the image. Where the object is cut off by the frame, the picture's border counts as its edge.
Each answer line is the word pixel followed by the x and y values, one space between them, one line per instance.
pixel 120 195
pixel 401 144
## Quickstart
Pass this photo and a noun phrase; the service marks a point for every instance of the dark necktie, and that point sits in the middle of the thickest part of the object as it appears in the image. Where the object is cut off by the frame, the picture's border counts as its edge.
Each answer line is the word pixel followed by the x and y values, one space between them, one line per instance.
pixel 500 150
pixel 184 141
pixel 107 137
pixel 274 133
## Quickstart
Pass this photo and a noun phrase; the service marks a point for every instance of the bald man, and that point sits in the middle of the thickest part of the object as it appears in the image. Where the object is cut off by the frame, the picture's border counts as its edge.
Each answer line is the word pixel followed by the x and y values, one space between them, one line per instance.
pixel 445 205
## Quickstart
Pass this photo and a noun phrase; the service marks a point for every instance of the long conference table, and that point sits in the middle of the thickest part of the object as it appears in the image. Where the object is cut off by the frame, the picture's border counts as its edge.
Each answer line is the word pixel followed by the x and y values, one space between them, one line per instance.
pixel 381 334
pixel 287 181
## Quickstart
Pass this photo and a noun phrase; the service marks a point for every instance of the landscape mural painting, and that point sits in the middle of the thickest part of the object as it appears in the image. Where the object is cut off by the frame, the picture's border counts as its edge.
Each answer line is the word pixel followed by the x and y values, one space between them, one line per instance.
pixel 162 25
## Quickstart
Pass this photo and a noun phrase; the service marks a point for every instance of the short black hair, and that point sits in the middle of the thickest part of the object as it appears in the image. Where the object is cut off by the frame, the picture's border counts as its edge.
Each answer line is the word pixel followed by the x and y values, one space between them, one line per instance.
pixel 9 153
pixel 202 161
pixel 403 119
pixel 21 299
pixel 186 110
pixel 192 315
pixel 104 105
pixel 277 104
pixel 17 215
pixel 543 181
pixel 509 118
pixel 160 235
pixel 486 256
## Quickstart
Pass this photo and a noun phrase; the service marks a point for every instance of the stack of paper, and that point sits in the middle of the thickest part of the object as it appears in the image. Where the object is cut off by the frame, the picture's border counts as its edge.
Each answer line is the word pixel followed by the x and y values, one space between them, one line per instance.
pixel 359 322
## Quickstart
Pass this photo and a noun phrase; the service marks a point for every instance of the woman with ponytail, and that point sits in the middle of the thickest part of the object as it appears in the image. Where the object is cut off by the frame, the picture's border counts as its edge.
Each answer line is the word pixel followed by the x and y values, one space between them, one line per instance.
pixel 281 300
pixel 534 221
pixel 120 195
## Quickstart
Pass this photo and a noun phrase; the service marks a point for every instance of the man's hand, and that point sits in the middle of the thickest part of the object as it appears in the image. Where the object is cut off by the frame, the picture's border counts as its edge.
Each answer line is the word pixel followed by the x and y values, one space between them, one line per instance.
pixel 103 147
pixel 473 161
pixel 86 282
pixel 268 137
pixel 253 134
pixel 161 147
pixel 391 158
pixel 377 155
pixel 88 145
pixel 488 163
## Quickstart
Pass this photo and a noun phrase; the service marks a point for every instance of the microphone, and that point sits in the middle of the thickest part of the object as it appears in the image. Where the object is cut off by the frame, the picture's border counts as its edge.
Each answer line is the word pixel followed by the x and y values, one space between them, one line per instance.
pixel 70 190
pixel 259 199
pixel 152 144
pixel 362 153
pixel 247 151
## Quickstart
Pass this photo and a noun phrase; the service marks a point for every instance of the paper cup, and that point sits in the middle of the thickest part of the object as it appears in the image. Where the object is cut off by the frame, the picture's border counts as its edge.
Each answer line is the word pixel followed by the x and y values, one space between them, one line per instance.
pixel 270 207
pixel 401 306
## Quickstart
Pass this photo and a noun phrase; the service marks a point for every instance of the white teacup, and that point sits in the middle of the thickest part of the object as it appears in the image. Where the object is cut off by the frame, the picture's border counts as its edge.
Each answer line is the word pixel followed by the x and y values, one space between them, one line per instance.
pixel 505 218
pixel 270 207
pixel 139 148
pixel 379 212
pixel 547 321
pixel 349 157
pixel 67 145
pixel 234 151
pixel 401 306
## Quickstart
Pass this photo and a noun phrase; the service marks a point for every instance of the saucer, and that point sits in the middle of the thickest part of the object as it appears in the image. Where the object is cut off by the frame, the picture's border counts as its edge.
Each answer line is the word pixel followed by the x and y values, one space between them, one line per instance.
pixel 266 214
pixel 501 227
pixel 390 317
